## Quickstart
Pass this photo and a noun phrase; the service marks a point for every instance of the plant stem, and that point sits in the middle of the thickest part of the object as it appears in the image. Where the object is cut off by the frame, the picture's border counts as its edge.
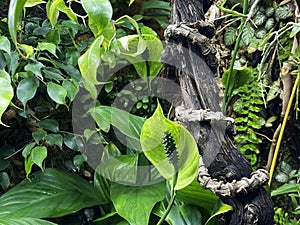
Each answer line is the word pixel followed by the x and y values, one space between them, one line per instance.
pixel 286 115
pixel 234 53
pixel 171 202
pixel 173 196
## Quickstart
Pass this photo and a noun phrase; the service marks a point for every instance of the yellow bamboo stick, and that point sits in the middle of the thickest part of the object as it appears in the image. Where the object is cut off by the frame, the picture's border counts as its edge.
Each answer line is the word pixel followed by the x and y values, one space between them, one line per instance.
pixel 285 118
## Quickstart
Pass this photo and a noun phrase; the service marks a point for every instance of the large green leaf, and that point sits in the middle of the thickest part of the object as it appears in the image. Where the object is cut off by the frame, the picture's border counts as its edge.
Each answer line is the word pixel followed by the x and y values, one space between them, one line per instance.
pixel 6 93
pixel 181 214
pixel 187 151
pixel 14 14
pixel 27 88
pixel 128 124
pixel 220 208
pixel 135 203
pixel 24 221
pixel 197 195
pixel 48 194
pixel 99 13
pixel 89 62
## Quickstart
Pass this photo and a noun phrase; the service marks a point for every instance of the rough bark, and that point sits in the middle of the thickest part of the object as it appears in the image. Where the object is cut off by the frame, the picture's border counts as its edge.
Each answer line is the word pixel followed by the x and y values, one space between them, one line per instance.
pixel 189 49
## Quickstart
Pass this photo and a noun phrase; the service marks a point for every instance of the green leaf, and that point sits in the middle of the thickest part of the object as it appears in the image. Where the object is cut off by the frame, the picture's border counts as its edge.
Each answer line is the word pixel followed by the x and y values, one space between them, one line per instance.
pixel 71 141
pixel 24 221
pixel 141 199
pixel 6 93
pixel 72 88
pixel 32 3
pixel 38 154
pixel 35 68
pixel 57 93
pixel 54 139
pixel 50 47
pixel 239 77
pixel 65 9
pixel 197 195
pixel 153 148
pixel 52 11
pixel 48 194
pixel 89 62
pixel 247 34
pixel 230 36
pixel 26 89
pixel 220 208
pixel 285 189
pixel 99 13
pixel 27 150
pixel 29 50
pixel 4 181
pixel 39 135
pixel 121 169
pixel 50 124
pixel 129 124
pixel 5 44
pixel 14 14
pixel 283 12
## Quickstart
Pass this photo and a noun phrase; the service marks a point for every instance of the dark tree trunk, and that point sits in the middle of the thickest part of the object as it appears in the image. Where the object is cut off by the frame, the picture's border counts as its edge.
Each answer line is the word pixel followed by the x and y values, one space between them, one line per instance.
pixel 189 49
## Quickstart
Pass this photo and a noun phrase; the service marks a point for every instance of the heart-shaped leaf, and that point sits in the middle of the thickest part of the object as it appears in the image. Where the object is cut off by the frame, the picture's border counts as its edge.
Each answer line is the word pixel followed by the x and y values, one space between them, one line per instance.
pixel 26 89
pixel 57 93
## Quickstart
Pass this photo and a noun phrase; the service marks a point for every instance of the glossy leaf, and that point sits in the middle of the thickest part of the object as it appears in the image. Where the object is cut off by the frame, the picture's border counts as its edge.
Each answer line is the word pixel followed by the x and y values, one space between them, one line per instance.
pixel 29 50
pixel 128 124
pixel 50 47
pixel 14 14
pixel 32 3
pixel 26 89
pixel 220 208
pixel 57 93
pixel 35 69
pixel 48 194
pixel 49 124
pixel 151 141
pixel 52 11
pixel 182 214
pixel 6 93
pixel 99 13
pixel 141 199
pixel 39 135
pixel 89 62
pixel 5 44
pixel 4 181
pixel 38 154
pixel 197 195
pixel 72 88
pixel 24 221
